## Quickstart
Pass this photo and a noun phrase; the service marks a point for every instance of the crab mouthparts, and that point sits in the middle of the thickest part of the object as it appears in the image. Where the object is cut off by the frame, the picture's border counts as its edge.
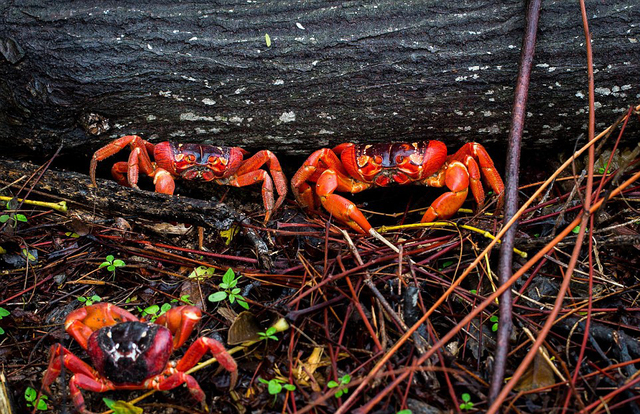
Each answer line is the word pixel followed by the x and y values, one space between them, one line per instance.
pixel 198 173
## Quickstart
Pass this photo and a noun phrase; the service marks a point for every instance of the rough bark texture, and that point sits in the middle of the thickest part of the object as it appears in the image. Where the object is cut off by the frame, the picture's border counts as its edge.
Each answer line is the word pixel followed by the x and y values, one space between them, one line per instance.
pixel 334 71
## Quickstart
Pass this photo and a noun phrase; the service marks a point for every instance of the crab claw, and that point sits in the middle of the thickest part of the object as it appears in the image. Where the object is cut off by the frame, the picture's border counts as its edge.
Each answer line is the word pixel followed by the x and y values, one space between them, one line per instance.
pixel 456 178
pixel 180 321
pixel 83 322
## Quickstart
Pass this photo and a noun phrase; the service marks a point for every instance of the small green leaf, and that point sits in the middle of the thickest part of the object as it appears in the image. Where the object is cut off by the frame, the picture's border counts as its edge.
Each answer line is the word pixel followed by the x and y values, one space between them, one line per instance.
pixel 152 310
pixel 274 387
pixel 228 277
pixel 4 312
pixel 111 268
pixel 109 258
pixel 267 39
pixel 332 384
pixel 235 291
pixel 346 379
pixel 42 405
pixel 82 299
pixel 447 263
pixel 30 394
pixel 404 412
pixel 103 264
pixel 72 234
pixel 262 380
pixel 4 218
pixel 165 308
pixel 243 304
pixel 118 263
pixel 493 318
pixel 21 217
pixel 576 229
pixel 466 397
pixel 289 387
pixel 217 296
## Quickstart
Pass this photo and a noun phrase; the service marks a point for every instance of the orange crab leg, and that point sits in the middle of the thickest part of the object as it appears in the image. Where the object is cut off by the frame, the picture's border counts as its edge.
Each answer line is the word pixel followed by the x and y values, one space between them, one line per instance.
pixel 250 173
pixel 311 170
pixel 118 172
pixel 71 362
pixel 83 377
pixel 468 155
pixel 116 146
pixel 456 178
pixel 180 321
pixel 200 347
pixel 341 208
pixel 81 323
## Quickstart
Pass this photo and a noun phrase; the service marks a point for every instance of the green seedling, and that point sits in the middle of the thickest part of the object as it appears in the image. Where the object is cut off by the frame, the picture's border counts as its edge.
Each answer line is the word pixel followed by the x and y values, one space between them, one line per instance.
pixel 153 312
pixel 466 402
pixel 276 385
pixel 229 290
pixel 494 319
pixel 30 395
pixel 111 263
pixel 407 411
pixel 342 389
pixel 13 218
pixel 446 264
pixel 183 299
pixel 3 313
pixel 268 334
pixel 88 301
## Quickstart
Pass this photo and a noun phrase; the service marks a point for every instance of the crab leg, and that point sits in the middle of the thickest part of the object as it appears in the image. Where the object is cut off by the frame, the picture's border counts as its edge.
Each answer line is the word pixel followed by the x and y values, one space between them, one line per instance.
pixel 83 377
pixel 311 170
pixel 71 362
pixel 200 347
pixel 251 178
pixel 116 146
pixel 180 321
pixel 468 155
pixel 341 208
pixel 85 382
pixel 278 178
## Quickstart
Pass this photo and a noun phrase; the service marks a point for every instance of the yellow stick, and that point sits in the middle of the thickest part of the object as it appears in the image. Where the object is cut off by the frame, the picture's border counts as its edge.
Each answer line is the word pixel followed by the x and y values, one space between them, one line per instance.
pixel 448 224
pixel 59 206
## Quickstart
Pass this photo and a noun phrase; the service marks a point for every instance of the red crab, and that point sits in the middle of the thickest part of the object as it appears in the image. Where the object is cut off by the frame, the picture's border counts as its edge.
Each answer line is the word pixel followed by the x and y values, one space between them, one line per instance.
pixel 131 354
pixel 357 167
pixel 222 165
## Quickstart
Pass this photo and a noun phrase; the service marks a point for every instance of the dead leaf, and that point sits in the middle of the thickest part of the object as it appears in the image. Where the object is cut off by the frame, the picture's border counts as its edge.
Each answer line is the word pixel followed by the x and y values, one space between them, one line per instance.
pixel 538 375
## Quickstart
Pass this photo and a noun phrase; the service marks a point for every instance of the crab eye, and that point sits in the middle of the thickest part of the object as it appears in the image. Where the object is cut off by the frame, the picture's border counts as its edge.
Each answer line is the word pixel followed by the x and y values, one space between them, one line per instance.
pixel 190 158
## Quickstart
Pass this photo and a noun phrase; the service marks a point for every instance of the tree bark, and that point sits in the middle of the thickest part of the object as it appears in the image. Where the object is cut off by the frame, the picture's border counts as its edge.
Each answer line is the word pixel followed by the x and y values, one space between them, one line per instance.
pixel 329 72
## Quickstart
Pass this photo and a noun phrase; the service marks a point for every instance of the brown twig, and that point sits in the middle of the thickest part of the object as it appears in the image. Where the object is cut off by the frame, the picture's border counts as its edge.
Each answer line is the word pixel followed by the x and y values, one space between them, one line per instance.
pixel 511 194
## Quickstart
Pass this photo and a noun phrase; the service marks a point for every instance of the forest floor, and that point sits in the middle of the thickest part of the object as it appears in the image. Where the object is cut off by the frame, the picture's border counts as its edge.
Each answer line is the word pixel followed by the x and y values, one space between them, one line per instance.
pixel 329 322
